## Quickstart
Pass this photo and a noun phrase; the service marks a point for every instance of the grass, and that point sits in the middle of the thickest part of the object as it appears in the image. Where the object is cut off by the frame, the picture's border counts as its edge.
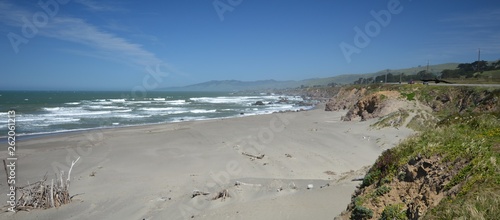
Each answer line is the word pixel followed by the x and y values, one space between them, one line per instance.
pixel 480 203
pixel 422 121
pixel 467 143
pixel 474 138
pixel 395 119
pixel 394 212
pixel 409 96
pixel 380 191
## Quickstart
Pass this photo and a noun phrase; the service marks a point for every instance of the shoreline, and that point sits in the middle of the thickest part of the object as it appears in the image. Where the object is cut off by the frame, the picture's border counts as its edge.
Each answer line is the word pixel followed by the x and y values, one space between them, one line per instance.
pixel 150 172
pixel 82 130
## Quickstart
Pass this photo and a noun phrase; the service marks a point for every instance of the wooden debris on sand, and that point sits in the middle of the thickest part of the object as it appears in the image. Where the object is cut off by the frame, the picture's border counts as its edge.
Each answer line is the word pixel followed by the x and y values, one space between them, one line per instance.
pixel 253 157
pixel 199 193
pixel 222 195
pixel 45 195
pixel 239 183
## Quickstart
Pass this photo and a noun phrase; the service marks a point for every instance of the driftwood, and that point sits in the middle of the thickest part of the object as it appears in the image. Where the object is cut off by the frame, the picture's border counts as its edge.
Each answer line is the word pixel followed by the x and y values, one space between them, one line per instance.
pixel 199 193
pixel 326 185
pixel 42 195
pixel 221 195
pixel 253 156
pixel 239 183
pixel 358 178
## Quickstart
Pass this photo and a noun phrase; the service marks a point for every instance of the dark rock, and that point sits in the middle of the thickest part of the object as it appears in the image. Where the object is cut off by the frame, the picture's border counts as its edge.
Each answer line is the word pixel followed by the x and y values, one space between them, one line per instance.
pixel 421 172
pixel 426 164
pixel 258 103
pixel 412 161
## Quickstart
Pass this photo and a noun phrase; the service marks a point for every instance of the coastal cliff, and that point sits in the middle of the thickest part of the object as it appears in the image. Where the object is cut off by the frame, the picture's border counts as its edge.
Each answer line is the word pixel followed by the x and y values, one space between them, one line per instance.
pixel 448 170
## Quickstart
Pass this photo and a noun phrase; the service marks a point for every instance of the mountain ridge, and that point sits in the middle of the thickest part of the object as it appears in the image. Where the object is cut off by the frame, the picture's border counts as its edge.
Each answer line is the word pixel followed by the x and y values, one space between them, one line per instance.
pixel 238 85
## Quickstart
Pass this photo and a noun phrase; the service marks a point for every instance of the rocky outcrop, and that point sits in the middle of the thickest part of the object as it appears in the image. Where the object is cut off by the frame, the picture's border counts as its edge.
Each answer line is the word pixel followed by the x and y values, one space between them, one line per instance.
pixel 258 103
pixel 344 99
pixel 419 186
pixel 376 105
pixel 367 104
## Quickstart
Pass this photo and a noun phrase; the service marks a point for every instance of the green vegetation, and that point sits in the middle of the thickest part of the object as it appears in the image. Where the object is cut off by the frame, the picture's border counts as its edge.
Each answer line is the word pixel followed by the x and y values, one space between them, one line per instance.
pixel 475 72
pixel 382 190
pixel 480 203
pixel 422 121
pixel 361 212
pixel 472 138
pixel 459 134
pixel 470 70
pixel 395 119
pixel 409 96
pixel 394 212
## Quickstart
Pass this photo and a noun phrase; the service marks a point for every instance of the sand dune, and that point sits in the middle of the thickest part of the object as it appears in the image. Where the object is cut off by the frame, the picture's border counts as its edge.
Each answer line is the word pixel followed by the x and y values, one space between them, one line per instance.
pixel 150 172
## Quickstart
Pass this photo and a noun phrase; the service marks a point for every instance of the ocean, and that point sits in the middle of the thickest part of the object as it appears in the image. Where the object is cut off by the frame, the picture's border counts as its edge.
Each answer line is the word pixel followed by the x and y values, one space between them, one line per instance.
pixel 46 112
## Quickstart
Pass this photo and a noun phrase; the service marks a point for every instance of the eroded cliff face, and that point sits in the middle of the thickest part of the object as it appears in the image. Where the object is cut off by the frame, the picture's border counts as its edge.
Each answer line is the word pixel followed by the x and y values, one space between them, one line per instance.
pixel 365 103
pixel 463 99
pixel 344 99
pixel 421 183
pixel 419 187
pixel 361 104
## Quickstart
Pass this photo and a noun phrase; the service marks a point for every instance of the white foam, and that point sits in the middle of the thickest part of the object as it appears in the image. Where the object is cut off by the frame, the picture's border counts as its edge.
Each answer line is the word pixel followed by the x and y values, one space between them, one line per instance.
pixel 117 100
pixel 177 102
pixel 52 109
pixel 72 103
pixel 125 110
pixel 61 120
pixel 159 99
pixel 226 99
pixel 138 102
pixel 130 116
pixel 201 111
pixel 76 112
pixel 106 107
pixel 159 109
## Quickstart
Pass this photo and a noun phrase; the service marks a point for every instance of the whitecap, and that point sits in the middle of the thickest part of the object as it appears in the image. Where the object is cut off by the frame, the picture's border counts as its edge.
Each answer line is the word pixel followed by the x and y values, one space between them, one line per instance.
pixel 158 109
pixel 177 102
pixel 201 111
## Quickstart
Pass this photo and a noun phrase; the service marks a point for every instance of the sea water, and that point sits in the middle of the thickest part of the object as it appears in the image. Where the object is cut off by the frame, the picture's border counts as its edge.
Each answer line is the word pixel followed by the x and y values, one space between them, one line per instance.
pixel 45 112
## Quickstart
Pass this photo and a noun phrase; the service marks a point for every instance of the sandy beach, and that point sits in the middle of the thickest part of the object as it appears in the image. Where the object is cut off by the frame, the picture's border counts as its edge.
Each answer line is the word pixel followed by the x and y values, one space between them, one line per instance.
pixel 150 172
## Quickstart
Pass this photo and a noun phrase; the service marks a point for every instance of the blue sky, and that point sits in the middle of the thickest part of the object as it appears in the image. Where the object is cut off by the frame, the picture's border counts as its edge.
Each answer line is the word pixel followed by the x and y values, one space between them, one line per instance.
pixel 122 45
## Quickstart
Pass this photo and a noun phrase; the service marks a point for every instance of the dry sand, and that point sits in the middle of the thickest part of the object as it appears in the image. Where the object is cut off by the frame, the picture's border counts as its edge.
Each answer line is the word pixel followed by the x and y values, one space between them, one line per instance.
pixel 150 172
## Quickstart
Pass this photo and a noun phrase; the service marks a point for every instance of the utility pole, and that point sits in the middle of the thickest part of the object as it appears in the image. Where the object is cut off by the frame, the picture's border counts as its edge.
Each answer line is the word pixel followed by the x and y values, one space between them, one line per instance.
pixel 427 70
pixel 386 76
pixel 479 60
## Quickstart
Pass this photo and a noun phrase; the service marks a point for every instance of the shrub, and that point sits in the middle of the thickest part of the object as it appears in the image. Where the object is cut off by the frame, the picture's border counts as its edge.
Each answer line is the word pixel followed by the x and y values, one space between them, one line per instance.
pixel 382 190
pixel 370 178
pixel 394 212
pixel 361 212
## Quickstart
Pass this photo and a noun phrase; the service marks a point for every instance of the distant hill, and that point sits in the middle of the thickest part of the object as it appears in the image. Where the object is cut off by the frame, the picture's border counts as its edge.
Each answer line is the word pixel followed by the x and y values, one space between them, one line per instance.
pixel 236 85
